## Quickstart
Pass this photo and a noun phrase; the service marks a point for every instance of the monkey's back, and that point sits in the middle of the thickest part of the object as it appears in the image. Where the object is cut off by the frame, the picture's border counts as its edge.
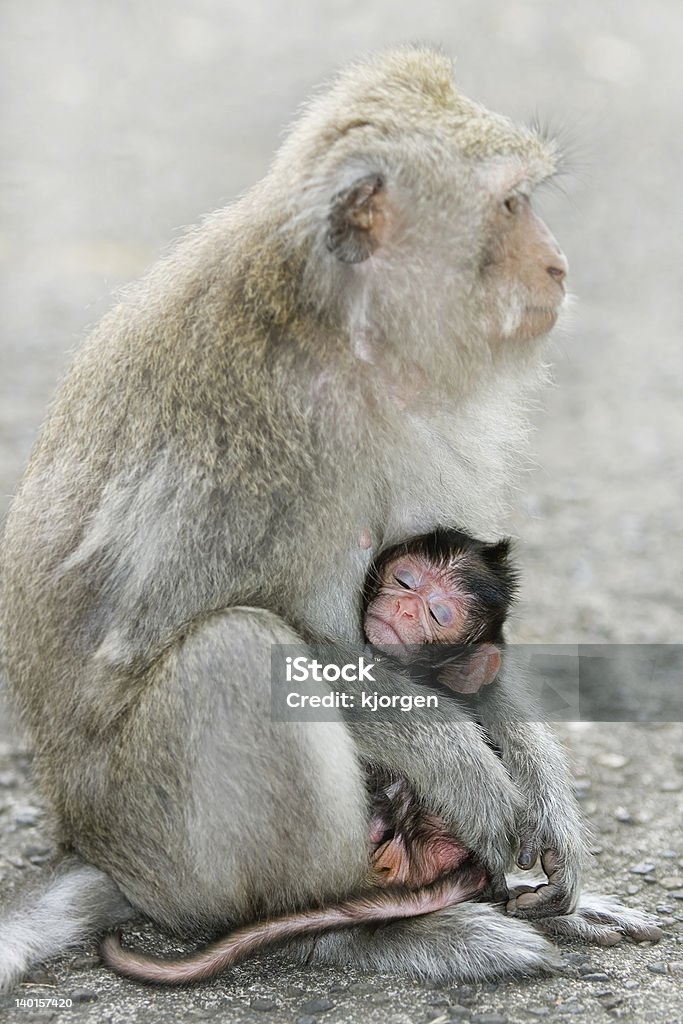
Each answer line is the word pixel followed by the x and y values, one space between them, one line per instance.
pixel 181 453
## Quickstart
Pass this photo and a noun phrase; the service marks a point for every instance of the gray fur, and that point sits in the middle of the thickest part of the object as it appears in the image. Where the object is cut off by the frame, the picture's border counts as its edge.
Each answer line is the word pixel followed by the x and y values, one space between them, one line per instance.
pixel 602 920
pixel 76 900
pixel 196 495
pixel 539 768
pixel 471 942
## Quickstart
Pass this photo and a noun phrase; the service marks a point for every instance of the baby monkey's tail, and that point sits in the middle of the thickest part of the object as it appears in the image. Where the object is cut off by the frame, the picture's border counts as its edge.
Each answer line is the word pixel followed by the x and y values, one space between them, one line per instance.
pixel 380 906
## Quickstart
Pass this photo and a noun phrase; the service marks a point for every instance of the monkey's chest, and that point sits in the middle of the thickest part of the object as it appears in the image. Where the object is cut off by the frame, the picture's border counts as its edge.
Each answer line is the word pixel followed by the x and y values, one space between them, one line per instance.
pixel 441 477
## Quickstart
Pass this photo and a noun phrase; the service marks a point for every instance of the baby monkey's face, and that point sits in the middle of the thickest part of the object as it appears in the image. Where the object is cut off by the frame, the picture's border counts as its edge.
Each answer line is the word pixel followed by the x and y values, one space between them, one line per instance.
pixel 416 603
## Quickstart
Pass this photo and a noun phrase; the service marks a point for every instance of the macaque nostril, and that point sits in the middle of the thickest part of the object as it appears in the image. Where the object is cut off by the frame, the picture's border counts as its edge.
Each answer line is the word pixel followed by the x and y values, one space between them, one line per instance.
pixel 405 609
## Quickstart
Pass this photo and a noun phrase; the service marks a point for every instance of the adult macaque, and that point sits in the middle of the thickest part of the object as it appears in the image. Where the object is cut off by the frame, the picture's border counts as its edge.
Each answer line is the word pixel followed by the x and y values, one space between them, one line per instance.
pixel 196 494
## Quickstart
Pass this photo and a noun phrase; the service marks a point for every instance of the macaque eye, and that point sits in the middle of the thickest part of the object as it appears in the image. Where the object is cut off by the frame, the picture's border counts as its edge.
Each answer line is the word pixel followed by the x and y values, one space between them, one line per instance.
pixel 405 578
pixel 441 613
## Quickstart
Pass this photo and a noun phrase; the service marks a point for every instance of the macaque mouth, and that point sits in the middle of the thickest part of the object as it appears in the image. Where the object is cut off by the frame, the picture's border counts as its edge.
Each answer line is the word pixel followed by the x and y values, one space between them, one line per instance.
pixel 428 860
pixel 550 311
pixel 392 636
pixel 541 319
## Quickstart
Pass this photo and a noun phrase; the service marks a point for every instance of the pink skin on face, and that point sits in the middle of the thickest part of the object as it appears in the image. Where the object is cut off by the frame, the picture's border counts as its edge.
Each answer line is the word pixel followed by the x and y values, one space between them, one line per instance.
pixel 417 604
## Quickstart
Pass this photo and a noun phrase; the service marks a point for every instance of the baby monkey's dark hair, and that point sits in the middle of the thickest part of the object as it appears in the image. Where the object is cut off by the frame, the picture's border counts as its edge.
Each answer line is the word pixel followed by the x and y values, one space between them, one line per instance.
pixel 482 570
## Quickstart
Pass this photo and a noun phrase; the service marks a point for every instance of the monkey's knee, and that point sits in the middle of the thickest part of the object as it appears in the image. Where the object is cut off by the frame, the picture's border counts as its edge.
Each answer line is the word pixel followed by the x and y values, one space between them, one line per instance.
pixel 284 802
pixel 246 630
pixel 229 652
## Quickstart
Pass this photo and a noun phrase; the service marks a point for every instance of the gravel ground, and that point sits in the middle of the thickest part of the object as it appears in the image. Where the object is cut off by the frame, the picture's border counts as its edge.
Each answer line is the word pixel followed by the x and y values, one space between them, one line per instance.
pixel 125 122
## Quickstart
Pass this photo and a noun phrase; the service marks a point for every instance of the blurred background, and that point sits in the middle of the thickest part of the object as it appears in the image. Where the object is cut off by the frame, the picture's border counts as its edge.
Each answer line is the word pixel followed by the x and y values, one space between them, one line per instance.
pixel 123 123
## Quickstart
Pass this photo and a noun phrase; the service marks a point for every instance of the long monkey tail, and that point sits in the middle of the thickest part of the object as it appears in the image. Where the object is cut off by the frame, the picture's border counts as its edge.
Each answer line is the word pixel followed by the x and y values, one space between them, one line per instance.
pixel 67 906
pixel 380 906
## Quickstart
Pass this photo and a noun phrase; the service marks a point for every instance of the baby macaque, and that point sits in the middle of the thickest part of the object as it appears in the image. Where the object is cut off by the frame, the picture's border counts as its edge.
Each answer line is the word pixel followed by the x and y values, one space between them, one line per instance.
pixel 438 603
pixel 443 588
pixel 410 846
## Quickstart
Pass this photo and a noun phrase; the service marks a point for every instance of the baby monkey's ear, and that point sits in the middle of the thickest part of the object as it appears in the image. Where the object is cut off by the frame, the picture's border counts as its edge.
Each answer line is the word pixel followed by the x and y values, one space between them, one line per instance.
pixel 497 554
pixel 357 219
pixel 476 670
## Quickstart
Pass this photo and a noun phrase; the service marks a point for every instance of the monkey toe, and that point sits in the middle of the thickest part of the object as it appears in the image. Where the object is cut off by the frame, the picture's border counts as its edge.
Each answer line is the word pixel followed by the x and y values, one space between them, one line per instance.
pixel 645 931
pixel 543 901
pixel 608 937
pixel 650 933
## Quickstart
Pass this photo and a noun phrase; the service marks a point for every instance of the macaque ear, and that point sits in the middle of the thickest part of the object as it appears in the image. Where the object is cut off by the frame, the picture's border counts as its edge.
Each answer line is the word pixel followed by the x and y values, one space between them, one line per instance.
pixel 498 554
pixel 356 219
pixel 478 669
